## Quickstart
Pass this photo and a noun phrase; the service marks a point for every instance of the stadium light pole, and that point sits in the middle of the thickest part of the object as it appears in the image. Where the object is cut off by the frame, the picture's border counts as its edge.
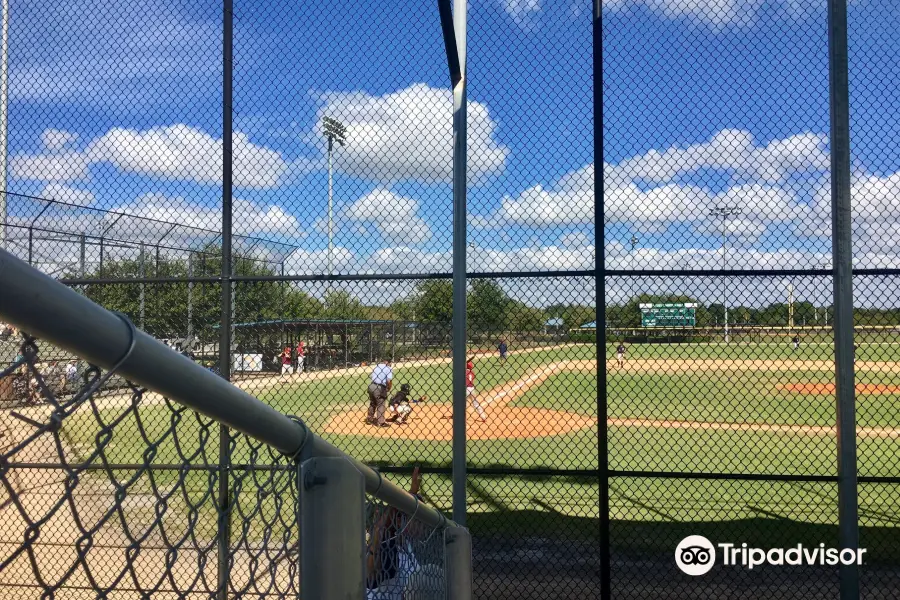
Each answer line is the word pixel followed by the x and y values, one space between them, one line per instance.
pixel 725 212
pixel 334 131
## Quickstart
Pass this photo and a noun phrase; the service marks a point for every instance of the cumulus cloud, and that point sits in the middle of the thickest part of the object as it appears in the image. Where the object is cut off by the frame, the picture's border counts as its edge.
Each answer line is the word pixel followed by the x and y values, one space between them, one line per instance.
pixel 315 262
pixel 57 139
pixel 715 14
pixel 522 12
pixel 249 218
pixel 67 194
pixel 732 150
pixel 649 191
pixel 187 153
pixel 174 152
pixel 408 135
pixel 876 213
pixel 58 166
pixel 395 216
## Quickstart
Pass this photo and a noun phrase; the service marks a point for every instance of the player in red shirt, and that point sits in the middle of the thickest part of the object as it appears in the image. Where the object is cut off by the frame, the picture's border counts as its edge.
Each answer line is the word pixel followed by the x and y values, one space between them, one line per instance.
pixel 301 354
pixel 470 391
pixel 285 357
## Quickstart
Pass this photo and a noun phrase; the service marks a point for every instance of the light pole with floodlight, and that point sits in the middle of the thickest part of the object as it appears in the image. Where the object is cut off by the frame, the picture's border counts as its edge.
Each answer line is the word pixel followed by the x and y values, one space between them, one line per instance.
pixel 334 131
pixel 725 212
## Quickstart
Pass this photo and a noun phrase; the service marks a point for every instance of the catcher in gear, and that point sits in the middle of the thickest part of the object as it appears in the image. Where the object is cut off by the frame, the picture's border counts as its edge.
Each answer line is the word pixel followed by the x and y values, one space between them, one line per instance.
pixel 400 405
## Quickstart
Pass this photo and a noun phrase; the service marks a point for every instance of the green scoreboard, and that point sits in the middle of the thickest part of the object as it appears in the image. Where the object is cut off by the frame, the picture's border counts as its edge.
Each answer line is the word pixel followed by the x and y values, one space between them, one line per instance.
pixel 669 315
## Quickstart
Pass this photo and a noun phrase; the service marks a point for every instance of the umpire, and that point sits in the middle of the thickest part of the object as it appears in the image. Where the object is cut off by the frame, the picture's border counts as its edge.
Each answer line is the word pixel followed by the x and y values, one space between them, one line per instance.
pixel 382 379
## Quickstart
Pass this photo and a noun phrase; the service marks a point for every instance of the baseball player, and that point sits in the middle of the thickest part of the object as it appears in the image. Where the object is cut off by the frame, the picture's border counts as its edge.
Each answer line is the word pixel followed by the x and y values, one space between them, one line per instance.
pixel 470 391
pixel 301 354
pixel 400 405
pixel 796 342
pixel 285 357
pixel 502 348
pixel 620 355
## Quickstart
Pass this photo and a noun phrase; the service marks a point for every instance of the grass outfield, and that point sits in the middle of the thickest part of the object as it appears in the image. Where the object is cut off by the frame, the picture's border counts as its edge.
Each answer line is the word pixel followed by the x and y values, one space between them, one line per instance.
pixel 567 506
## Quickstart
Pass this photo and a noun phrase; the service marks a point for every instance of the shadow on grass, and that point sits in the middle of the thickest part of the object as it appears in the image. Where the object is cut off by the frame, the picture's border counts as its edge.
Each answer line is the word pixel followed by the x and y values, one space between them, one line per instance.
pixel 650 539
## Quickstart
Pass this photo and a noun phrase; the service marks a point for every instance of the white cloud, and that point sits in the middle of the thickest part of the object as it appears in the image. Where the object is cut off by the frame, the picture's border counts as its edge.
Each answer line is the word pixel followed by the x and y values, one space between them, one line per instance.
pixel 875 201
pixel 315 262
pixel 716 14
pixel 396 217
pixel 575 240
pixel 174 152
pixel 731 150
pixel 67 194
pixel 249 218
pixel 55 140
pixel 648 190
pixel 61 166
pixel 408 134
pixel 187 153
pixel 522 12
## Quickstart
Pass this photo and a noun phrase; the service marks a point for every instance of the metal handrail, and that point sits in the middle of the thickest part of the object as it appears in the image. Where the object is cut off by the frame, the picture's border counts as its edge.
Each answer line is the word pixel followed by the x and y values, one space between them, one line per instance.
pixel 53 312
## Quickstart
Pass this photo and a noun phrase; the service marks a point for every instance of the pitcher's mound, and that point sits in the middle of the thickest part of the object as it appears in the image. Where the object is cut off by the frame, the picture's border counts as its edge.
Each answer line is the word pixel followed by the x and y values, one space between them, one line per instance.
pixel 828 389
pixel 431 422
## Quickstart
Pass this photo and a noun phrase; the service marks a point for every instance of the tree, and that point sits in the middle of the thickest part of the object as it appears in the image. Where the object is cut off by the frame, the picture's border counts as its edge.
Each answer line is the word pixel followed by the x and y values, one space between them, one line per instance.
pixel 487 306
pixel 521 317
pixel 340 305
pixel 433 302
pixel 165 313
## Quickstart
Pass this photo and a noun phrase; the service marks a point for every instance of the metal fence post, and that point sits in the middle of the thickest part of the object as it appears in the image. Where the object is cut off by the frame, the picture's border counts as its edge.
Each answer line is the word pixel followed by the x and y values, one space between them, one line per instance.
pixel 458 563
pixel 459 268
pixel 82 255
pixel 31 246
pixel 224 492
pixel 332 530
pixel 190 297
pixel 842 251
pixel 141 274
pixel 600 306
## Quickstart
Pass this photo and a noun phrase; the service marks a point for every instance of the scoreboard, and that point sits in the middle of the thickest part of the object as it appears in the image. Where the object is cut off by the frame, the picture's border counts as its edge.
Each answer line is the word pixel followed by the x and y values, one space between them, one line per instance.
pixel 669 315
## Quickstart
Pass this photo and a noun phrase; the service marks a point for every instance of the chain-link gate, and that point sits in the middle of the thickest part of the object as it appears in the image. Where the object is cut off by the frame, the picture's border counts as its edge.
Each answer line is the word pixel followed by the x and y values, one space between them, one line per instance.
pixel 274 191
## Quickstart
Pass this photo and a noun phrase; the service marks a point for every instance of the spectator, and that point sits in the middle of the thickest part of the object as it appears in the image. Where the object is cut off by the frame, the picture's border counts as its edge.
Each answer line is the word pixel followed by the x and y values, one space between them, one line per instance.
pixel 390 560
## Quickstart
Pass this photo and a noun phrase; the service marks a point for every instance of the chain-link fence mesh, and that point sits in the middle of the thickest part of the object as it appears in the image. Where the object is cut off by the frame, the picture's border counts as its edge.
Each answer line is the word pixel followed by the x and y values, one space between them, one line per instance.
pixel 717 281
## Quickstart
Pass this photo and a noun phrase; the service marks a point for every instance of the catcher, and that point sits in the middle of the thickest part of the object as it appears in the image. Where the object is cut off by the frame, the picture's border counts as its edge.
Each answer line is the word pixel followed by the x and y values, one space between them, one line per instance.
pixel 400 405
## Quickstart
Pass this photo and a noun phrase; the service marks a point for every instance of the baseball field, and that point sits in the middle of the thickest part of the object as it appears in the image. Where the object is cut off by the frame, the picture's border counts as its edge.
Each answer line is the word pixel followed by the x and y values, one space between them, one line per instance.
pixel 736 409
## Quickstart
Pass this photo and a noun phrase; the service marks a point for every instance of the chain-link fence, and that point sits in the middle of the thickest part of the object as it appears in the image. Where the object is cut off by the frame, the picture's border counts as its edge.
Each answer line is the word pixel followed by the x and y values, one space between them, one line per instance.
pixel 699 398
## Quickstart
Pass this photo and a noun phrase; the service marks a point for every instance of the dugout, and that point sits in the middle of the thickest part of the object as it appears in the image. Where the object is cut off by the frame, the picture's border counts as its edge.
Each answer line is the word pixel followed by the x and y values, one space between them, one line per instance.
pixel 329 343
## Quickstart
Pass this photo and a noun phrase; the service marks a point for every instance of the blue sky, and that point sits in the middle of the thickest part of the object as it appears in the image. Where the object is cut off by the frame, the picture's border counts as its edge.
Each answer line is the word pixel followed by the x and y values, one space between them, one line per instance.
pixel 708 102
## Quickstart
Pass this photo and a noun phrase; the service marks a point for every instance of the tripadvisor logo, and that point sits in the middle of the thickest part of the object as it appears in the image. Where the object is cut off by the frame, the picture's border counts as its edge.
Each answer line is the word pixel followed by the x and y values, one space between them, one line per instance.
pixel 696 555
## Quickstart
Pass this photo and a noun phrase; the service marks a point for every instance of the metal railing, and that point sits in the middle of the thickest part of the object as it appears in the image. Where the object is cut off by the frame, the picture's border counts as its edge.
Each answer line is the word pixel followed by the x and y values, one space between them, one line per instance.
pixel 329 485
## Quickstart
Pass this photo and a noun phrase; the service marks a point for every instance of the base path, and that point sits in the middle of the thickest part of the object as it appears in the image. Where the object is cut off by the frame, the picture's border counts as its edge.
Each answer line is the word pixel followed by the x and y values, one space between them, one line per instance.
pixel 829 389
pixel 433 422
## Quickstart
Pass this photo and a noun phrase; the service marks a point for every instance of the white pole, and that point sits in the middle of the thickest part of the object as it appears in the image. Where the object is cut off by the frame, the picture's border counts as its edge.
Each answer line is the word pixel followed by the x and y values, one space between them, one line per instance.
pixel 725 278
pixel 4 106
pixel 330 243
pixel 790 305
